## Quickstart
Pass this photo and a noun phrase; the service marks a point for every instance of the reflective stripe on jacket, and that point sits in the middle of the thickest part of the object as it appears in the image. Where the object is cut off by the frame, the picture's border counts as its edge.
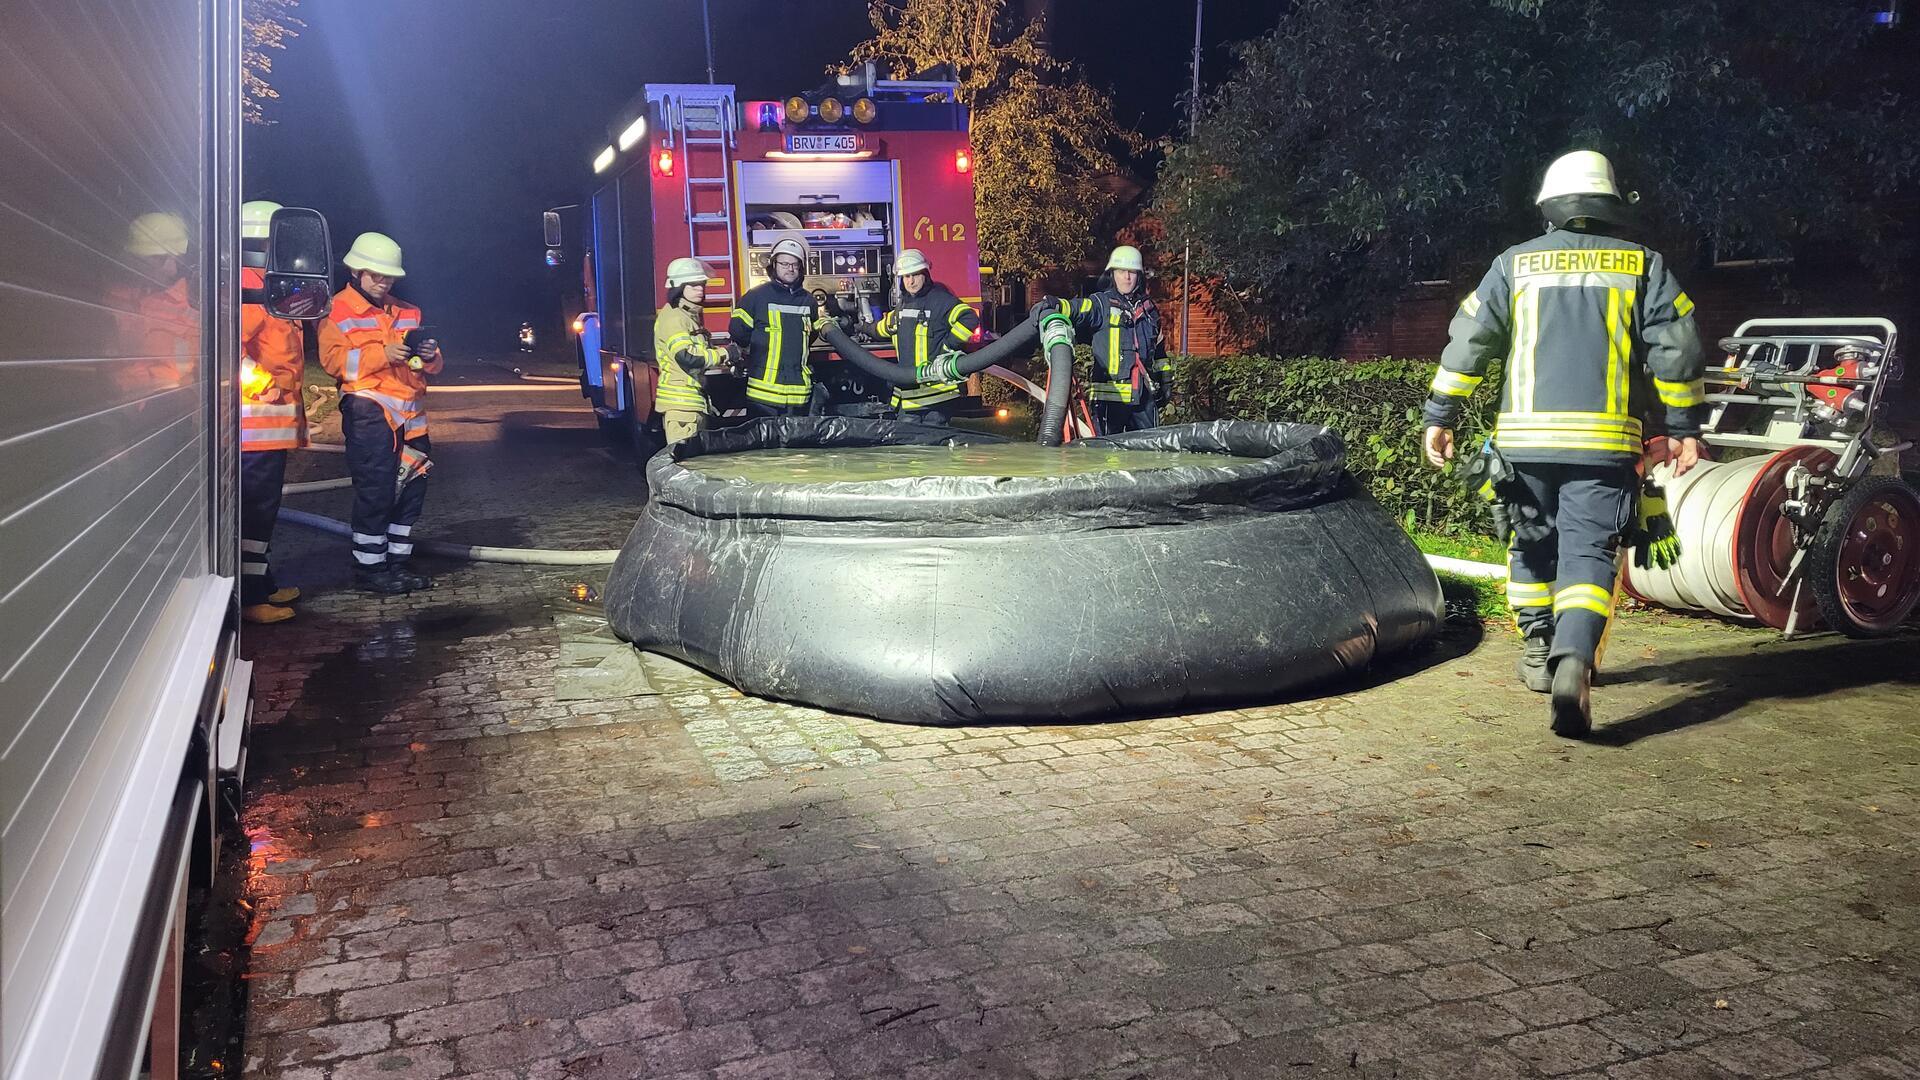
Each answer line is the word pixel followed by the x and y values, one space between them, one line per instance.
pixel 774 328
pixel 923 327
pixel 353 349
pixel 682 349
pixel 1127 350
pixel 1594 331
pixel 271 416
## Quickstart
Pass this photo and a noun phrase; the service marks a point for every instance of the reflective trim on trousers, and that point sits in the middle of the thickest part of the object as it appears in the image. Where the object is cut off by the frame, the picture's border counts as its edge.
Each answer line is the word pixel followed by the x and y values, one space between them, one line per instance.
pixel 778 393
pixel 1121 392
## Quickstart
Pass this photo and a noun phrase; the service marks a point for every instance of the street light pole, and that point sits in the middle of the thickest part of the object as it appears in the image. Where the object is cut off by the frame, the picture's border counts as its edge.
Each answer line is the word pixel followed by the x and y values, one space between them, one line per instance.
pixel 1193 126
pixel 706 21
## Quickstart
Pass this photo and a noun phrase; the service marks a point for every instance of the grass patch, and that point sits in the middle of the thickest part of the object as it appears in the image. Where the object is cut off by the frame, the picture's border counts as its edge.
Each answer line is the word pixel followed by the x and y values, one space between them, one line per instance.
pixel 1472 548
pixel 1479 599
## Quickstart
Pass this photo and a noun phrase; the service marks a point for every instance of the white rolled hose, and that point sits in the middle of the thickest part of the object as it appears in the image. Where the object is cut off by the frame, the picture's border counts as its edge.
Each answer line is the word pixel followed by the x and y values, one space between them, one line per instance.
pixel 308 487
pixel 1468 568
pixel 542 387
pixel 471 552
pixel 1705 505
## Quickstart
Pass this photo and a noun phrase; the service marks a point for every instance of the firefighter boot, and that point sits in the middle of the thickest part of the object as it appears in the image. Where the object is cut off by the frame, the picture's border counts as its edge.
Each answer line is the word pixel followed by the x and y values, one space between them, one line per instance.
pixel 381 581
pixel 263 614
pixel 284 596
pixel 414 579
pixel 1532 668
pixel 1572 690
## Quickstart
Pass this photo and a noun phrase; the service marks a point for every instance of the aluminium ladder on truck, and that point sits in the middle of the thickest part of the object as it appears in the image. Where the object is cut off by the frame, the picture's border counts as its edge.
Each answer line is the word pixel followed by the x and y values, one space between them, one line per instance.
pixel 699 127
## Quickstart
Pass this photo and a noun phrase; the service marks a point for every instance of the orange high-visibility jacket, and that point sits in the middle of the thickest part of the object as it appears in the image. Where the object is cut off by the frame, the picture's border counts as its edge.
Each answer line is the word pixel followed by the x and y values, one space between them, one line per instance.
pixel 353 344
pixel 271 416
pixel 159 332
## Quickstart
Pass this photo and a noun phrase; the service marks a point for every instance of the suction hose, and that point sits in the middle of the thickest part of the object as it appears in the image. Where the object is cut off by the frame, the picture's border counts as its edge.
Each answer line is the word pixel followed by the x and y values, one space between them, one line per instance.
pixel 1056 332
pixel 1045 323
pixel 948 367
pixel 471 552
pixel 307 487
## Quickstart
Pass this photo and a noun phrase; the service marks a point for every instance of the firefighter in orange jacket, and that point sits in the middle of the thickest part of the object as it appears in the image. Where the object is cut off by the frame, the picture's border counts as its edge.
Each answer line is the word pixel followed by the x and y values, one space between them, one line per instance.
pixel 365 346
pixel 272 422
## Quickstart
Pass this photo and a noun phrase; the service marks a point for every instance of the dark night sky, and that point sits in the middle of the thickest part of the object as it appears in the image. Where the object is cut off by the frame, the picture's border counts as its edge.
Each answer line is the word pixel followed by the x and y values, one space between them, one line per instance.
pixel 451 124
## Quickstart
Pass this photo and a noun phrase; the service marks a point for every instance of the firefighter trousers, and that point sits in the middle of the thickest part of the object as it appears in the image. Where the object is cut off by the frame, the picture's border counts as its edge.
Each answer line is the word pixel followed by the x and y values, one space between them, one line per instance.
pixel 384 513
pixel 679 424
pixel 1563 583
pixel 1113 417
pixel 932 415
pixel 262 472
pixel 761 408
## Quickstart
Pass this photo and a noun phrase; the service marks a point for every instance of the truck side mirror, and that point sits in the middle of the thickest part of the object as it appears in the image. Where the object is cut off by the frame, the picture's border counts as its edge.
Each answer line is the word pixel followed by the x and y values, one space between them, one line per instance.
pixel 550 229
pixel 299 253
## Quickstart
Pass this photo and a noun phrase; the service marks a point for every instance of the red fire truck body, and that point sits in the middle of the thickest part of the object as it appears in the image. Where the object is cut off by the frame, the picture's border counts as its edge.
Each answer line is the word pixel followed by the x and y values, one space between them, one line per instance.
pixel 859 171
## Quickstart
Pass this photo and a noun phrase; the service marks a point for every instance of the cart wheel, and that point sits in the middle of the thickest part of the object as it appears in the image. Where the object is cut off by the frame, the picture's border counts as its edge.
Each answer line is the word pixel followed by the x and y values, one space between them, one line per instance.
pixel 1864 567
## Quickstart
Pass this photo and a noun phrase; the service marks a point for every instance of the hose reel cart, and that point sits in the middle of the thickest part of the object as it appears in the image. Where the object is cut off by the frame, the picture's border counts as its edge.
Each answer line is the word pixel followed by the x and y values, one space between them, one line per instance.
pixel 1802 518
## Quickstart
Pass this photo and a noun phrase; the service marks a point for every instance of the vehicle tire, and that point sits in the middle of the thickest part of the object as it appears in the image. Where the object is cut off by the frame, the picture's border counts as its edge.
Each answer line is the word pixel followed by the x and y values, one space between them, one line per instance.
pixel 647 437
pixel 1864 566
pixel 612 429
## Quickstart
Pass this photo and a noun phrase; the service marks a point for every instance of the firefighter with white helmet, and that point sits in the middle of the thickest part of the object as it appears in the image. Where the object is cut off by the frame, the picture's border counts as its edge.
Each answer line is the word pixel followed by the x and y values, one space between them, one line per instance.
pixel 1131 372
pixel 773 327
pixel 372 344
pixel 272 422
pixel 1599 345
pixel 684 350
pixel 928 322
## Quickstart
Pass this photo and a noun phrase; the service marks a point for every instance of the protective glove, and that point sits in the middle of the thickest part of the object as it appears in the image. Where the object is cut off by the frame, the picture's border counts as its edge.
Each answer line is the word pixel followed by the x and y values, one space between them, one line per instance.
pixel 1655 543
pixel 1046 304
pixel 1162 390
pixel 866 331
pixel 1487 475
pixel 733 355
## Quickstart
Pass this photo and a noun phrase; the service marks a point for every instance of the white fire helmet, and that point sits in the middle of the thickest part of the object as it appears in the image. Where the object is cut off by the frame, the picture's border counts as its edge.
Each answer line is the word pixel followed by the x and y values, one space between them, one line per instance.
pixel 1582 172
pixel 686 271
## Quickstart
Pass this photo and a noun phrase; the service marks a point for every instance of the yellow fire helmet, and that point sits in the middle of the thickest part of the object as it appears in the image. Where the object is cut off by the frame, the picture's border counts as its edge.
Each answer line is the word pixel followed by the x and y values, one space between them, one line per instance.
pixel 255 217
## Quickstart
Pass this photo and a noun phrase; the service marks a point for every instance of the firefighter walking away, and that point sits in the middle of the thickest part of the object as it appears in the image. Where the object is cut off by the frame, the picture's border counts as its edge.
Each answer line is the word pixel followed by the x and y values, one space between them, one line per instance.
pixel 1600 346
pixel 373 345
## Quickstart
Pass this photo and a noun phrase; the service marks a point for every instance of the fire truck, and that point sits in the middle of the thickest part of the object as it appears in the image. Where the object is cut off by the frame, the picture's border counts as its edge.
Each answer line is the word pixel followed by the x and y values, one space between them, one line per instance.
pixel 127 703
pixel 859 170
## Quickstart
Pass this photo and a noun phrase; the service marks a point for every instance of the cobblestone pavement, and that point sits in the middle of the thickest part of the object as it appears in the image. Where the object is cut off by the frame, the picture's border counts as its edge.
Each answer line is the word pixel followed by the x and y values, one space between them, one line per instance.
pixel 457 874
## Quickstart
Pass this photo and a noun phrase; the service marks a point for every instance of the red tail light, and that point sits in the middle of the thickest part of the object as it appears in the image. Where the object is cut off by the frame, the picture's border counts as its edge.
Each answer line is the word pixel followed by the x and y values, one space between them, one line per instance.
pixel 963 161
pixel 663 162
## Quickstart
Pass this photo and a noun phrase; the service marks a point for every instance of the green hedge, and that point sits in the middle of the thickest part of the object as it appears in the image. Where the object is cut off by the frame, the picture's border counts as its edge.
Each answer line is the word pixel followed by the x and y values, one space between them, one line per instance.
pixel 1374 405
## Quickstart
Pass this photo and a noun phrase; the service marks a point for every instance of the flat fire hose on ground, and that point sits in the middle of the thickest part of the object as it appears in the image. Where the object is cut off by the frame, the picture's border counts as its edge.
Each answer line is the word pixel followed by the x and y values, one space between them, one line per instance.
pixel 471 552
